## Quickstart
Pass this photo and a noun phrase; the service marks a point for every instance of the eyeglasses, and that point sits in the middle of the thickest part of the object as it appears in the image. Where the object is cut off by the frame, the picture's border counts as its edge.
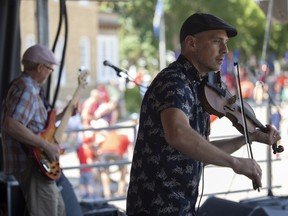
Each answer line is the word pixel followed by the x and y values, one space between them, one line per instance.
pixel 49 68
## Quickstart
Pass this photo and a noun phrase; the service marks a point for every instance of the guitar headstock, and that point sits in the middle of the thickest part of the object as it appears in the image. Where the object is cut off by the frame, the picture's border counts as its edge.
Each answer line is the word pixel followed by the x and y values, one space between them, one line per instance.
pixel 82 77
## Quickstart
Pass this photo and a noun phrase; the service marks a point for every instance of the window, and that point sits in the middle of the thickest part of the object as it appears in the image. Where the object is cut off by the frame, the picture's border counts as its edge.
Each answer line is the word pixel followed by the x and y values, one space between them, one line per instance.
pixel 107 50
pixel 84 3
pixel 85 53
pixel 29 41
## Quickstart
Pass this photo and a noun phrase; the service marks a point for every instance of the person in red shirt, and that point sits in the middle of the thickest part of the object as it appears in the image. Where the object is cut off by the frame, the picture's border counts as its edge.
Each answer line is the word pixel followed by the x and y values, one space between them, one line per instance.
pixel 113 148
pixel 85 155
pixel 89 107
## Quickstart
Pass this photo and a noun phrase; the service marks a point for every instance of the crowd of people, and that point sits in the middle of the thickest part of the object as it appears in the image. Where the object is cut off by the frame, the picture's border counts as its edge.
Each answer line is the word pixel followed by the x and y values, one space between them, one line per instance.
pixel 99 143
pixel 258 81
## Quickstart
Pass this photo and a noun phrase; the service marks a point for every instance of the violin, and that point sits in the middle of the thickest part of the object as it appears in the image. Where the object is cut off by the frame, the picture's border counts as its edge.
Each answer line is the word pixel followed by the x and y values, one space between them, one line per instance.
pixel 217 100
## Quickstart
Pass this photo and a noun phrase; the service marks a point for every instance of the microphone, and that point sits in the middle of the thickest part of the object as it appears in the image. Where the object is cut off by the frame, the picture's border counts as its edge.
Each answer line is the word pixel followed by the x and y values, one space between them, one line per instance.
pixel 118 70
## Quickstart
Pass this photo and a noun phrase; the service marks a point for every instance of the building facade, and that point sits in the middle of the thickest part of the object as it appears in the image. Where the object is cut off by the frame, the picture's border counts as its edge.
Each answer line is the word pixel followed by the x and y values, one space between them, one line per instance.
pixel 92 38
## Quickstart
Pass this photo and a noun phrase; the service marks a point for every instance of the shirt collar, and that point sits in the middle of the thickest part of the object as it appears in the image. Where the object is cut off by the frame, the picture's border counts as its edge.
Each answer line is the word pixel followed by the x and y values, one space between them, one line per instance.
pixel 32 81
pixel 190 71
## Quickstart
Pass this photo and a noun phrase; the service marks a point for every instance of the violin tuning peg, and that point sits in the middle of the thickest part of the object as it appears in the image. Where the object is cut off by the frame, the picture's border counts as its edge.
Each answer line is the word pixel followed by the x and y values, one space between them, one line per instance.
pixel 277 149
pixel 255 186
pixel 280 149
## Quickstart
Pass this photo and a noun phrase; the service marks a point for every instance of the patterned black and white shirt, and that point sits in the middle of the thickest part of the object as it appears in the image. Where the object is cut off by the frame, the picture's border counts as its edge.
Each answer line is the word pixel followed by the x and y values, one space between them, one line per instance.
pixel 163 181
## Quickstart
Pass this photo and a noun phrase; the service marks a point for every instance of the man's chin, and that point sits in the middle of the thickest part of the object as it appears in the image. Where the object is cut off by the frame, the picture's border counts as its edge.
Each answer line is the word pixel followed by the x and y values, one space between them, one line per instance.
pixel 215 69
pixel 43 82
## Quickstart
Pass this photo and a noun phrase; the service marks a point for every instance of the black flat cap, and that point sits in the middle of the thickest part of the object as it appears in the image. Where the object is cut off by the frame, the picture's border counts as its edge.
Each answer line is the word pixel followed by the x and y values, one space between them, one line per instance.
pixel 200 22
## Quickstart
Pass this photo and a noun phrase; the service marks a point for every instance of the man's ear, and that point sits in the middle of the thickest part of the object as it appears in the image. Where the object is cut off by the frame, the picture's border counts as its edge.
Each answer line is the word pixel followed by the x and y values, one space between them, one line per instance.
pixel 39 67
pixel 190 41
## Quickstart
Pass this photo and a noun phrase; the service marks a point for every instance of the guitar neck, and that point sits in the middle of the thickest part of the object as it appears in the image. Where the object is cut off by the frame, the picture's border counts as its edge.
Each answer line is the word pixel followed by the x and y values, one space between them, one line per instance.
pixel 67 114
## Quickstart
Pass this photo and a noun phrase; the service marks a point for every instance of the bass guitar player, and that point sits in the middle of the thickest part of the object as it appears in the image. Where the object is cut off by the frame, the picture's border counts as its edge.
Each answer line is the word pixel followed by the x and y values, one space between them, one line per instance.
pixel 25 118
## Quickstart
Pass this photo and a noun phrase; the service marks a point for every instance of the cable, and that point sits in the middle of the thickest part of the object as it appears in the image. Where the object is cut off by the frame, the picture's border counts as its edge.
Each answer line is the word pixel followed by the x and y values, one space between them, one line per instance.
pixel 54 46
pixel 202 191
pixel 63 53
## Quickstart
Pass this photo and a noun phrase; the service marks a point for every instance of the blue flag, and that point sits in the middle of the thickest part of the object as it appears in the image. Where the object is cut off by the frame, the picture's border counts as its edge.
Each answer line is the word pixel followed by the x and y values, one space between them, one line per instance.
pixel 159 11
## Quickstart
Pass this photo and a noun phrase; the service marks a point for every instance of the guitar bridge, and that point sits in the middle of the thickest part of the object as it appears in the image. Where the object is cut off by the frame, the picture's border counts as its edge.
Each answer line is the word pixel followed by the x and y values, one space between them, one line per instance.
pixel 45 164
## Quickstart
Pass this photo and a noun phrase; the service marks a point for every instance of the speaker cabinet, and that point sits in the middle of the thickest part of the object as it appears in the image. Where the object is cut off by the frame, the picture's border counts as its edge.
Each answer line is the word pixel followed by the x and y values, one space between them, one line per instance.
pixel 90 208
pixel 269 211
pixel 268 206
pixel 220 207
pixel 264 206
pixel 12 202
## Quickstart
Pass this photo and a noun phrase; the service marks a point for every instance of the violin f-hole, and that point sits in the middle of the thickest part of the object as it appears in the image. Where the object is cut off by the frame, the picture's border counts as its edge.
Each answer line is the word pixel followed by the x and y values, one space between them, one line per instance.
pixel 232 109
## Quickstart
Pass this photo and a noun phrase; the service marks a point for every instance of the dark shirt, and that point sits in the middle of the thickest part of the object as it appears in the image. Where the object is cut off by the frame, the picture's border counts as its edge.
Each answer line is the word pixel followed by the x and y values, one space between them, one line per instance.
pixel 164 181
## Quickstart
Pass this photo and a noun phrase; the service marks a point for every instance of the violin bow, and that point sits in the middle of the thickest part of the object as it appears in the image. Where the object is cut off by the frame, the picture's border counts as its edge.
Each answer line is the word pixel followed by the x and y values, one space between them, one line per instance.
pixel 246 134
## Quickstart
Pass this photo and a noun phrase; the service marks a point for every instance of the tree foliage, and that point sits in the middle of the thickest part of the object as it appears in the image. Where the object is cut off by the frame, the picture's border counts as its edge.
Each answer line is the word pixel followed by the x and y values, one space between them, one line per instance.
pixel 138 42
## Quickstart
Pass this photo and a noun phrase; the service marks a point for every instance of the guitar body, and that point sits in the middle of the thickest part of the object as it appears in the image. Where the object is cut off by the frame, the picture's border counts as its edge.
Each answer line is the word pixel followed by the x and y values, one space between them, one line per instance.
pixel 50 169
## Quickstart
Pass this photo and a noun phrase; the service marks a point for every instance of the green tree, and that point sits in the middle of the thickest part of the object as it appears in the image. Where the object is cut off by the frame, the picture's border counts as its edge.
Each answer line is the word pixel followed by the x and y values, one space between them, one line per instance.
pixel 138 41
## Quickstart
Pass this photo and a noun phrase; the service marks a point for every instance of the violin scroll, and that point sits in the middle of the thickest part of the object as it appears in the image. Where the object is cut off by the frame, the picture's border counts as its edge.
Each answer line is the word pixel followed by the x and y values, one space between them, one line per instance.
pixel 277 149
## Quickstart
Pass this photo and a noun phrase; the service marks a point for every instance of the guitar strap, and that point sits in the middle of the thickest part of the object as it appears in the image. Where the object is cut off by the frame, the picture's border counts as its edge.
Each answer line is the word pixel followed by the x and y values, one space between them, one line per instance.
pixel 46 103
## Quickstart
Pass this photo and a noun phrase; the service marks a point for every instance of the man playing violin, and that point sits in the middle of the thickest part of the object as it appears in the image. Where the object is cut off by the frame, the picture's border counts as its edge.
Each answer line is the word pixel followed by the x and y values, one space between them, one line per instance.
pixel 173 138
